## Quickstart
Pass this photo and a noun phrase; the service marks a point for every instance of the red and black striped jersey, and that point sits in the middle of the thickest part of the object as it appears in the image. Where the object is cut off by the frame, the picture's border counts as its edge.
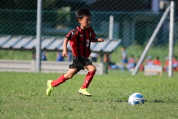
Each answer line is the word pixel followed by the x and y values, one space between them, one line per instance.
pixel 80 40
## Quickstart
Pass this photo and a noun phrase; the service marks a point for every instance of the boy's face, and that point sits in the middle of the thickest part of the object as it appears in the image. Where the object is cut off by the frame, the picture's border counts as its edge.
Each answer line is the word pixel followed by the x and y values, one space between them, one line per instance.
pixel 85 22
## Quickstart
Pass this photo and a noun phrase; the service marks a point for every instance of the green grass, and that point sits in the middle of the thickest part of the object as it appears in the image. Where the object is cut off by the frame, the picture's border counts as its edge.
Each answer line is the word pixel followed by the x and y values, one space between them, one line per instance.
pixel 22 96
pixel 22 55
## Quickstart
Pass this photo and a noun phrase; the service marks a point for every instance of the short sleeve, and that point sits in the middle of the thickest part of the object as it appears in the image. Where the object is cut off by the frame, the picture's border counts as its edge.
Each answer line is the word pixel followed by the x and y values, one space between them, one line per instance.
pixel 93 35
pixel 71 34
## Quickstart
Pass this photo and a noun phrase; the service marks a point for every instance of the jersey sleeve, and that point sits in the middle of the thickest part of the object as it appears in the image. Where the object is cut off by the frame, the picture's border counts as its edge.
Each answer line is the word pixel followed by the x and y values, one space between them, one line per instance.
pixel 71 34
pixel 93 35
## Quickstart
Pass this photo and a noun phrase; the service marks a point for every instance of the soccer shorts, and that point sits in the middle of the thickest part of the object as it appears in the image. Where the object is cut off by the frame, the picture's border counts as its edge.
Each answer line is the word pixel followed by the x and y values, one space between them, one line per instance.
pixel 79 63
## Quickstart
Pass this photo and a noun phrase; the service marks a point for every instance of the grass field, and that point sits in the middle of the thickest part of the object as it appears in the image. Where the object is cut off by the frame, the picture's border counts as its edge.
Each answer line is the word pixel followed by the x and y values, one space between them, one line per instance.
pixel 23 97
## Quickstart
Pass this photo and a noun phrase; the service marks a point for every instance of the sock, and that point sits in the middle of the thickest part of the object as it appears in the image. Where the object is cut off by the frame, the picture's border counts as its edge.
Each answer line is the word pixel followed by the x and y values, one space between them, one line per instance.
pixel 88 79
pixel 58 81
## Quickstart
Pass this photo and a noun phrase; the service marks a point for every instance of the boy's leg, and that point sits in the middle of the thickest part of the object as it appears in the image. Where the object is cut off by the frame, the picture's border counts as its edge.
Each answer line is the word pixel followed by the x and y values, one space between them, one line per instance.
pixel 64 77
pixel 87 80
pixel 60 80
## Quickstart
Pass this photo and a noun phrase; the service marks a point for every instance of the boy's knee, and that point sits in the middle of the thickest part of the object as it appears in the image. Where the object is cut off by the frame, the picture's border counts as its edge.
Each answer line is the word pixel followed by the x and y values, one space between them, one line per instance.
pixel 94 69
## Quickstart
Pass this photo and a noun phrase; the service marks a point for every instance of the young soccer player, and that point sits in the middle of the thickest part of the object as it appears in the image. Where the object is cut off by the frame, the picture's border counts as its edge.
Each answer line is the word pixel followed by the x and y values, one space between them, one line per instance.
pixel 80 39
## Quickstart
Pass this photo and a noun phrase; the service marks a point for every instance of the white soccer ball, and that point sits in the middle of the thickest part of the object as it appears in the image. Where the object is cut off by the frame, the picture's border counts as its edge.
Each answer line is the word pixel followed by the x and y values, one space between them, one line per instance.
pixel 136 98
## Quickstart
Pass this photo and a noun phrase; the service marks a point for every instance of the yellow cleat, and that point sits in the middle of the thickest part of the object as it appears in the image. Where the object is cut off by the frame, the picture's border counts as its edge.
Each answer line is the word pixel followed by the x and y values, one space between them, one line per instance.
pixel 84 92
pixel 49 87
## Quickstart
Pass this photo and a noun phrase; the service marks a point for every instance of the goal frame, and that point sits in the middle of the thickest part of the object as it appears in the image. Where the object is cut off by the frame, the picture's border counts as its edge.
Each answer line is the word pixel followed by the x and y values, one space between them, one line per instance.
pixel 169 9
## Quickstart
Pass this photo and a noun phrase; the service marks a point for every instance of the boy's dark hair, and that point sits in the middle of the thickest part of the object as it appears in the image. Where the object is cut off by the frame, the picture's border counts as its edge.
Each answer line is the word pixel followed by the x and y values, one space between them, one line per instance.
pixel 80 13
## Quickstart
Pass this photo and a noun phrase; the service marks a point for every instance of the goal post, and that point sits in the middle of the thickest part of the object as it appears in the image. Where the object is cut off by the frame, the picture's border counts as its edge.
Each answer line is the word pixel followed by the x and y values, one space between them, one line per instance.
pixel 170 9
pixel 171 32
pixel 38 35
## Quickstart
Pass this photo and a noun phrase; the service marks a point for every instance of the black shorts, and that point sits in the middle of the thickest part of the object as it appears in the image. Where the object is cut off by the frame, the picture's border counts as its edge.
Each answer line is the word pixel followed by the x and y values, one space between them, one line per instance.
pixel 79 63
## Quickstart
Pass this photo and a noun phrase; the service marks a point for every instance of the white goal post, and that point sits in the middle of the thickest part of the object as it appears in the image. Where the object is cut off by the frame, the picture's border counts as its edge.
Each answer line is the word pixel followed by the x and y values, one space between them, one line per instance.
pixel 170 9
pixel 171 32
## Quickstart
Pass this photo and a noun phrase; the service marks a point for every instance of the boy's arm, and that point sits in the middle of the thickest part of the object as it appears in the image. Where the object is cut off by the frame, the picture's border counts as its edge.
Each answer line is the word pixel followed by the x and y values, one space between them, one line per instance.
pixel 97 40
pixel 64 53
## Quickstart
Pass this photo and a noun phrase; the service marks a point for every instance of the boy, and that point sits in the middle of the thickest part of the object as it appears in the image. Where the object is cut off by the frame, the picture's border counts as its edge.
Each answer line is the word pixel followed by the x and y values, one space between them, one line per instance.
pixel 124 55
pixel 80 39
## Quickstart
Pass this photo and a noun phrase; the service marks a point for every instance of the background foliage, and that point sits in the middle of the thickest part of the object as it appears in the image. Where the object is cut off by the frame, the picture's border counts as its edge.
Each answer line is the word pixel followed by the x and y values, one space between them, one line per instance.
pixel 134 23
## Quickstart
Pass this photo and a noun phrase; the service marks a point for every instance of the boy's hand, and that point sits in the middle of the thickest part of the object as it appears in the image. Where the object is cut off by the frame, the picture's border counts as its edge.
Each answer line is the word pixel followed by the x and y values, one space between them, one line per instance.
pixel 100 39
pixel 97 40
pixel 64 54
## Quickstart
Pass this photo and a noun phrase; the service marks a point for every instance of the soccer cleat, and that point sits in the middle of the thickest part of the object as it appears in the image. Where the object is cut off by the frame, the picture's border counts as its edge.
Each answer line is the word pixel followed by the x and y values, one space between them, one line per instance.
pixel 84 92
pixel 49 87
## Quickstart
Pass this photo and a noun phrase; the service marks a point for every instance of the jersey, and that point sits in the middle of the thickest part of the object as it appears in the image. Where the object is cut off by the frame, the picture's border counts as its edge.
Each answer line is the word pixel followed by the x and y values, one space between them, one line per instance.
pixel 156 62
pixel 80 40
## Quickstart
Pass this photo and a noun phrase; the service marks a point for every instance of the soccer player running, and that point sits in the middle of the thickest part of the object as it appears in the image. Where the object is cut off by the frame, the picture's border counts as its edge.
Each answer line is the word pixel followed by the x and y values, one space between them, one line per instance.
pixel 80 40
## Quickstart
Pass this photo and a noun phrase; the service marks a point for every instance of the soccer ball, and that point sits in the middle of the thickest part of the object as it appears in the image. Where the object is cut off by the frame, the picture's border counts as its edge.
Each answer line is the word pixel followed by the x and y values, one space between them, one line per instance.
pixel 136 98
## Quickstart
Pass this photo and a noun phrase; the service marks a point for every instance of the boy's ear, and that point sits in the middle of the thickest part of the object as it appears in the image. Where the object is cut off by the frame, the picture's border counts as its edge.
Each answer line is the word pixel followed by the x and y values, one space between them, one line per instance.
pixel 79 20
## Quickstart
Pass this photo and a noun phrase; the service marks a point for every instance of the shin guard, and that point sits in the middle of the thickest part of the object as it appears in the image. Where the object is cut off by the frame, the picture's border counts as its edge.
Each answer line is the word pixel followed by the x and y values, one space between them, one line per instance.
pixel 58 81
pixel 88 79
